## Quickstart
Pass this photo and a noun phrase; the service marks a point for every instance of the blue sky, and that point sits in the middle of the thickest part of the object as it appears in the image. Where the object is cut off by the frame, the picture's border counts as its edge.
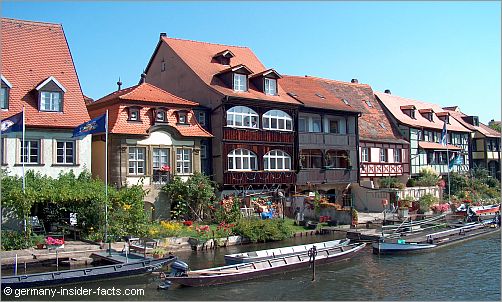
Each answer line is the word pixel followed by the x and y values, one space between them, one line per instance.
pixel 447 53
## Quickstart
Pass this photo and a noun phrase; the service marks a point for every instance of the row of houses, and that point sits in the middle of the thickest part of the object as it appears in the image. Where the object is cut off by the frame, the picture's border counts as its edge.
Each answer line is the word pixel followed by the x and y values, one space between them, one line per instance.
pixel 216 109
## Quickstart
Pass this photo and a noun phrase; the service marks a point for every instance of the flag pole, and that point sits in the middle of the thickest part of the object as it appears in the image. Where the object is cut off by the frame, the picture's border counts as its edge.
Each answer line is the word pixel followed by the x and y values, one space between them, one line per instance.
pixel 106 177
pixel 22 162
pixel 448 162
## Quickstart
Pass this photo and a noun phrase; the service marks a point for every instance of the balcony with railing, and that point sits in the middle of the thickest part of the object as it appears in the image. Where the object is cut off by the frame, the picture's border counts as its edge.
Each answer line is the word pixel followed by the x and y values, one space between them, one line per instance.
pixel 313 140
pixel 258 135
pixel 258 177
pixel 384 169
pixel 327 176
pixel 160 177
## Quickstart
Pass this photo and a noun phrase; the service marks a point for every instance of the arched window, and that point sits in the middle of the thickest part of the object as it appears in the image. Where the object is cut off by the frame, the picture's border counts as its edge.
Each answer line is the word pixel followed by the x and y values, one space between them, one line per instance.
pixel 241 116
pixel 277 160
pixel 242 160
pixel 277 120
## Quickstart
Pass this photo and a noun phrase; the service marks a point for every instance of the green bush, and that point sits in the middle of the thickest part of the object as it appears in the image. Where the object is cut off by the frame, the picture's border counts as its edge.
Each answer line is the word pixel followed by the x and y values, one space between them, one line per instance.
pixel 391 182
pixel 12 240
pixel 258 230
pixel 427 177
pixel 427 201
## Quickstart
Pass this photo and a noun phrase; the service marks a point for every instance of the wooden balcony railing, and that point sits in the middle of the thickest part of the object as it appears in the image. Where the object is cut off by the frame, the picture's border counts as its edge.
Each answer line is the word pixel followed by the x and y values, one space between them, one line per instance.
pixel 259 177
pixel 326 139
pixel 379 169
pixel 258 135
pixel 335 176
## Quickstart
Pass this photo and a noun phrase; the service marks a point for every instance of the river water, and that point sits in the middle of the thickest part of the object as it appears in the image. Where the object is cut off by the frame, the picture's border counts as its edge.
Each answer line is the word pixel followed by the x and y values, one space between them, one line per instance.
pixel 468 271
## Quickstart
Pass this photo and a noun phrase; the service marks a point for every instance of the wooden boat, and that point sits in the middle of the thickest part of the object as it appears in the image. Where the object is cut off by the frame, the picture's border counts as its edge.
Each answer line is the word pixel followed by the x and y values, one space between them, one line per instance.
pixel 262 268
pixel 436 239
pixel 465 210
pixel 280 252
pixel 85 274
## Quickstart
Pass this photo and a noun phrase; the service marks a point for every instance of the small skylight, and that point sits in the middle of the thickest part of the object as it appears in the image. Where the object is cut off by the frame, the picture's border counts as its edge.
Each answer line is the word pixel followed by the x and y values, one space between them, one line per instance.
pixel 369 104
pixel 320 95
pixel 382 125
pixel 346 102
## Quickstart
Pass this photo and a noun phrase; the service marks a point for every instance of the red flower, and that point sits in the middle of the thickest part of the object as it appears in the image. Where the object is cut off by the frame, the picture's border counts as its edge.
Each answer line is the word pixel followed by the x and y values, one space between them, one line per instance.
pixel 187 222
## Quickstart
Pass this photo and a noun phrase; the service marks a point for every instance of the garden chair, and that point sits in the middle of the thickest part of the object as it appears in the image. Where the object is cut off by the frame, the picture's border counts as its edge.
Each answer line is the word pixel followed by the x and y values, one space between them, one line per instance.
pixel 36 226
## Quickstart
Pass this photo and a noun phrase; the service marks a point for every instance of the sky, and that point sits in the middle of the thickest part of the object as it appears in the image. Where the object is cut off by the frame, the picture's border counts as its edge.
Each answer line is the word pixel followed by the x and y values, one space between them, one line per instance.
pixel 448 53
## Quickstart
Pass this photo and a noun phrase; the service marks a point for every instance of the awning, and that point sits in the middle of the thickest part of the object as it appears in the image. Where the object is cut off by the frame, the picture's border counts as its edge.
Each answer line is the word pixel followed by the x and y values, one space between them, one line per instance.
pixel 437 146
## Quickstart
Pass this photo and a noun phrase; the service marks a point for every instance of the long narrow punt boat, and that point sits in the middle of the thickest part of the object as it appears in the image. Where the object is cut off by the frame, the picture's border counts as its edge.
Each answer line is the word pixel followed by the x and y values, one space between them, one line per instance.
pixel 280 252
pixel 262 268
pixel 85 274
pixel 437 239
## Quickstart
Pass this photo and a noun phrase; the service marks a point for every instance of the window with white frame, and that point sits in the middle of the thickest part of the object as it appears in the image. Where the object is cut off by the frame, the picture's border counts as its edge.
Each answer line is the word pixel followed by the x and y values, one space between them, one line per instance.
pixel 242 160
pixel 182 117
pixel 160 115
pixel 201 118
pixel 240 82
pixel 160 159
pixel 365 155
pixel 134 114
pixel 50 101
pixel 270 86
pixel 316 125
pixel 383 155
pixel 137 160
pixel 277 120
pixel 277 160
pixel 30 152
pixel 4 97
pixel 65 152
pixel 203 152
pixel 183 161
pixel 397 155
pixel 241 116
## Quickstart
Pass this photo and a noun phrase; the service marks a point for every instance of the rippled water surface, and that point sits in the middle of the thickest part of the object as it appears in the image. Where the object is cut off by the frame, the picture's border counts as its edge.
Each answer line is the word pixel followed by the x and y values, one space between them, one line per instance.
pixel 465 271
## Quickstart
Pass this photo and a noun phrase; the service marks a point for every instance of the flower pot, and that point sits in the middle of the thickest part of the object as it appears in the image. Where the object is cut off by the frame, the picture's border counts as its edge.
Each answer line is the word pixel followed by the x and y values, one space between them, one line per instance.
pixel 157 256
pixel 40 246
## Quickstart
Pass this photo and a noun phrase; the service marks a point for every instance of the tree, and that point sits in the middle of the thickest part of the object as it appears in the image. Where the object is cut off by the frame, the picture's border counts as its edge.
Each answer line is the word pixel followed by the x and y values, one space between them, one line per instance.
pixel 495 126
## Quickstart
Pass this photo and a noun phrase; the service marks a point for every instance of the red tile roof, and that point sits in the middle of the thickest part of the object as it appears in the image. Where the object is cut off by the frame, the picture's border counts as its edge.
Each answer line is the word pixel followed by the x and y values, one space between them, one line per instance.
pixel 482 128
pixel 372 118
pixel 393 103
pixel 148 97
pixel 437 146
pixel 31 53
pixel 199 57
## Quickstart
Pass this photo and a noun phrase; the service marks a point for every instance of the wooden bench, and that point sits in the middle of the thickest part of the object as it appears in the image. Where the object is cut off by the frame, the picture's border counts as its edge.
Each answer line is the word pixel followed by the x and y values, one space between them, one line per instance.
pixel 143 245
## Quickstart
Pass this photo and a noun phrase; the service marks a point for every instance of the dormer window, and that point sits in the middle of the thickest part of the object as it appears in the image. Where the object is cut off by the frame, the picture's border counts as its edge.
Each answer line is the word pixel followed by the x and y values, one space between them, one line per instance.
pixel 182 117
pixel 409 110
pixel 428 114
pixel 50 95
pixel 134 114
pixel 240 82
pixel 475 121
pixel 444 116
pixel 270 86
pixel 223 57
pixel 4 93
pixel 160 116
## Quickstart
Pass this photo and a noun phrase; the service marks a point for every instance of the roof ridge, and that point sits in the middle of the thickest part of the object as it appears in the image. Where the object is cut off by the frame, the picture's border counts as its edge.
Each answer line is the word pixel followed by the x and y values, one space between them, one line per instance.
pixel 203 42
pixel 40 23
pixel 325 79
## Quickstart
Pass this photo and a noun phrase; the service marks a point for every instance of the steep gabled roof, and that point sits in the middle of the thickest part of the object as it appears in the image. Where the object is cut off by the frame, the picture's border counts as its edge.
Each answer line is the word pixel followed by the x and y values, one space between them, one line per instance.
pixel 33 52
pixel 482 128
pixel 198 56
pixel 394 104
pixel 374 125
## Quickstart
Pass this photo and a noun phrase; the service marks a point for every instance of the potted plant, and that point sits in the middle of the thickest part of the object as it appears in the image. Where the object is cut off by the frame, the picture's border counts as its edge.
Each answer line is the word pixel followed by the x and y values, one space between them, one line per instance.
pixel 158 252
pixel 354 216
pixel 403 210
pixel 39 241
pixel 54 243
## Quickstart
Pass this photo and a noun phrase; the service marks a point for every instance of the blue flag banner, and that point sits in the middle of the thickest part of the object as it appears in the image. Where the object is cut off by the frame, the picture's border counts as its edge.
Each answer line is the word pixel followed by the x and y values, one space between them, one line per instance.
pixel 95 125
pixel 444 138
pixel 458 160
pixel 12 124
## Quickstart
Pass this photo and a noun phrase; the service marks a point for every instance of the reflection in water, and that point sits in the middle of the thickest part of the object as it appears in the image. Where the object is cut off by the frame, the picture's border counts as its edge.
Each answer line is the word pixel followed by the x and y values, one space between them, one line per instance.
pixel 466 271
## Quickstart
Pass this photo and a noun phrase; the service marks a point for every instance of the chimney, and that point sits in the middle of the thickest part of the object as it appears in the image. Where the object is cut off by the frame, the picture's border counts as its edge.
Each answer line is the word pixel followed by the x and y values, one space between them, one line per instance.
pixel 162 35
pixel 354 81
pixel 119 84
pixel 143 78
pixel 387 91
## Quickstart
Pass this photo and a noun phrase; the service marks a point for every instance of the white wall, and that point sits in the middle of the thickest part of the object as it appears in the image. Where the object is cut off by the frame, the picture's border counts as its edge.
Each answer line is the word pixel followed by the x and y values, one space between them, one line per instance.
pixel 48 166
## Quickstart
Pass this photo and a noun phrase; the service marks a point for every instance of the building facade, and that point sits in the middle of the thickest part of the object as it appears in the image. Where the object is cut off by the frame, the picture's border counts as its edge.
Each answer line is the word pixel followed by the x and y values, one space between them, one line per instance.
pixel 421 124
pixel 38 74
pixel 327 138
pixel 484 149
pixel 153 136
pixel 250 115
